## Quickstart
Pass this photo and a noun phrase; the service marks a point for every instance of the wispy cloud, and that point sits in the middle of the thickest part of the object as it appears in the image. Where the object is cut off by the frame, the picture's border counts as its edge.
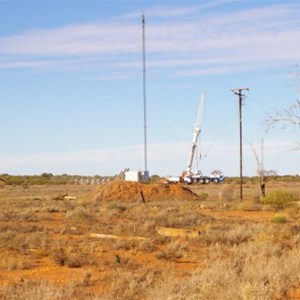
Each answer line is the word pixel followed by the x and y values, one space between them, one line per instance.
pixel 72 40
pixel 167 11
pixel 212 42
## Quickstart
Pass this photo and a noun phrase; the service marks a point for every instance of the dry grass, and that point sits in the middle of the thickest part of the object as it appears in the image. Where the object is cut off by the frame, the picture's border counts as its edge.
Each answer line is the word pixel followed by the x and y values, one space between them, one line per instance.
pixel 13 262
pixel 72 254
pixel 42 289
pixel 229 234
pixel 238 276
pixel 232 258
pixel 173 251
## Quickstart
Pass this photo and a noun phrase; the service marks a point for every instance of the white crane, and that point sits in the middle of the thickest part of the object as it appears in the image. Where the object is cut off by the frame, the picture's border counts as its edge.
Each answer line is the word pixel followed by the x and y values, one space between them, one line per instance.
pixel 197 130
pixel 187 175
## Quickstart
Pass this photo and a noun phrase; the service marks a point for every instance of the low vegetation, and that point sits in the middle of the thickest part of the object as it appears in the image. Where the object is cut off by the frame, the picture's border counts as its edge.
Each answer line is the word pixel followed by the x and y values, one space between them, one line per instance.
pixel 216 247
pixel 279 198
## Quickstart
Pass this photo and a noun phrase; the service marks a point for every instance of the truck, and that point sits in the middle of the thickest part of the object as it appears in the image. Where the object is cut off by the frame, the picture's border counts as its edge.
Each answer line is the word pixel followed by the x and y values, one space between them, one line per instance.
pixel 196 177
pixel 188 176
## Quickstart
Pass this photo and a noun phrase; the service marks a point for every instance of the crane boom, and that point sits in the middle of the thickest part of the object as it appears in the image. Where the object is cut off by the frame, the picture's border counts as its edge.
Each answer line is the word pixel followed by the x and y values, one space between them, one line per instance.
pixel 197 130
pixel 187 176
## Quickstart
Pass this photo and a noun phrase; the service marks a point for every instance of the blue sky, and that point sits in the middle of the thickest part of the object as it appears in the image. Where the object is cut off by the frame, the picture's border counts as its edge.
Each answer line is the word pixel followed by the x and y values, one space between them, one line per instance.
pixel 71 84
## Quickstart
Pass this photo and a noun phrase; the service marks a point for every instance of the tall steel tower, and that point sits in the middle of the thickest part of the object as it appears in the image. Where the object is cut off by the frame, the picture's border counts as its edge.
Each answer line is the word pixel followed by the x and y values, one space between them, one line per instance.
pixel 146 172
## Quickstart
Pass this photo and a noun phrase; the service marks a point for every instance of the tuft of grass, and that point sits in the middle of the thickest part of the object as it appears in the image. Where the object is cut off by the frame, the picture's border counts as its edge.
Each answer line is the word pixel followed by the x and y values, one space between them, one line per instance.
pixel 203 196
pixel 292 211
pixel 279 219
pixel 11 263
pixel 174 250
pixel 226 194
pixel 72 257
pixel 247 205
pixel 35 290
pixel 82 216
pixel 133 284
pixel 27 216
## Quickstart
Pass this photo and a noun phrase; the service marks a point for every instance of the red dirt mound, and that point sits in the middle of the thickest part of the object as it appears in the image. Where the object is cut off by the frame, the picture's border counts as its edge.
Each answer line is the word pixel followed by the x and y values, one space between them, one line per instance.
pixel 133 191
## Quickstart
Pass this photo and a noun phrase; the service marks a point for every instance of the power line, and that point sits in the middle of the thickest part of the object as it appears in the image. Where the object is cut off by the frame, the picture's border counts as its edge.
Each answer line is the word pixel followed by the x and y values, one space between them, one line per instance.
pixel 220 131
pixel 260 103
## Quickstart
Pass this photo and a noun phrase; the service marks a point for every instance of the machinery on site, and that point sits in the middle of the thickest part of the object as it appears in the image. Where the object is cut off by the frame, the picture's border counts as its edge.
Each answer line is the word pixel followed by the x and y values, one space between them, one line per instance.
pixel 188 176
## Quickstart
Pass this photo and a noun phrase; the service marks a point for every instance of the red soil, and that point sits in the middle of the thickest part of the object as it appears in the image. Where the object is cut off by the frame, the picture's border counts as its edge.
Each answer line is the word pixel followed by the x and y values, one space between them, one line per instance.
pixel 134 191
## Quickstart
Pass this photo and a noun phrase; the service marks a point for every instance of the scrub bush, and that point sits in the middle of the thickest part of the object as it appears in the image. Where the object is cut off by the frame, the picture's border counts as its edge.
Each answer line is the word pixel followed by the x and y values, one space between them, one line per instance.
pixel 279 198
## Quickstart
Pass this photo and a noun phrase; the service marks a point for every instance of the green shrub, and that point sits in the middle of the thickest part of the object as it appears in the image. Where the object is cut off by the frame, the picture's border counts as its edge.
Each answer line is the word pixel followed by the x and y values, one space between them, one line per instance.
pixel 279 198
pixel 279 219
pixel 203 196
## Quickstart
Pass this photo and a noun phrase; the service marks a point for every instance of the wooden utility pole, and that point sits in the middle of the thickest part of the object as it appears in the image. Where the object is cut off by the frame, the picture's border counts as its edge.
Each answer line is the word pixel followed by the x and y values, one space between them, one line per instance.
pixel 238 92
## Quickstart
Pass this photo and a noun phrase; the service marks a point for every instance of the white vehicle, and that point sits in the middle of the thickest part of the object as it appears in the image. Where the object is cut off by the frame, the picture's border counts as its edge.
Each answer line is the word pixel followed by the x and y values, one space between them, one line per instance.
pixel 173 178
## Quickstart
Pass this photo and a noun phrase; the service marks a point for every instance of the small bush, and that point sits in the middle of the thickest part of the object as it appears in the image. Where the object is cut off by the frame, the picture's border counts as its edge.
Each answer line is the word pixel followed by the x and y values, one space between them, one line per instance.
pixel 82 215
pixel 229 235
pixel 248 205
pixel 59 256
pixel 227 193
pixel 292 211
pixel 72 257
pixel 133 284
pixel 118 206
pixel 173 251
pixel 279 198
pixel 10 263
pixel 279 219
pixel 203 196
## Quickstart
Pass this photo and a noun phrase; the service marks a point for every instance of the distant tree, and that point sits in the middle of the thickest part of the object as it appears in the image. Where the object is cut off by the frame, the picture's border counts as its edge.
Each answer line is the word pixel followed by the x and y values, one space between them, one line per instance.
pixel 154 178
pixel 289 117
pixel 47 175
pixel 260 169
pixel 216 173
pixel 270 173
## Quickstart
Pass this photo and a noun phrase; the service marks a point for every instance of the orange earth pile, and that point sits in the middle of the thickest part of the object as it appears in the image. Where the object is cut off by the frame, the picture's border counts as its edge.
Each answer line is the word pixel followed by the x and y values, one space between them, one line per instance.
pixel 133 191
